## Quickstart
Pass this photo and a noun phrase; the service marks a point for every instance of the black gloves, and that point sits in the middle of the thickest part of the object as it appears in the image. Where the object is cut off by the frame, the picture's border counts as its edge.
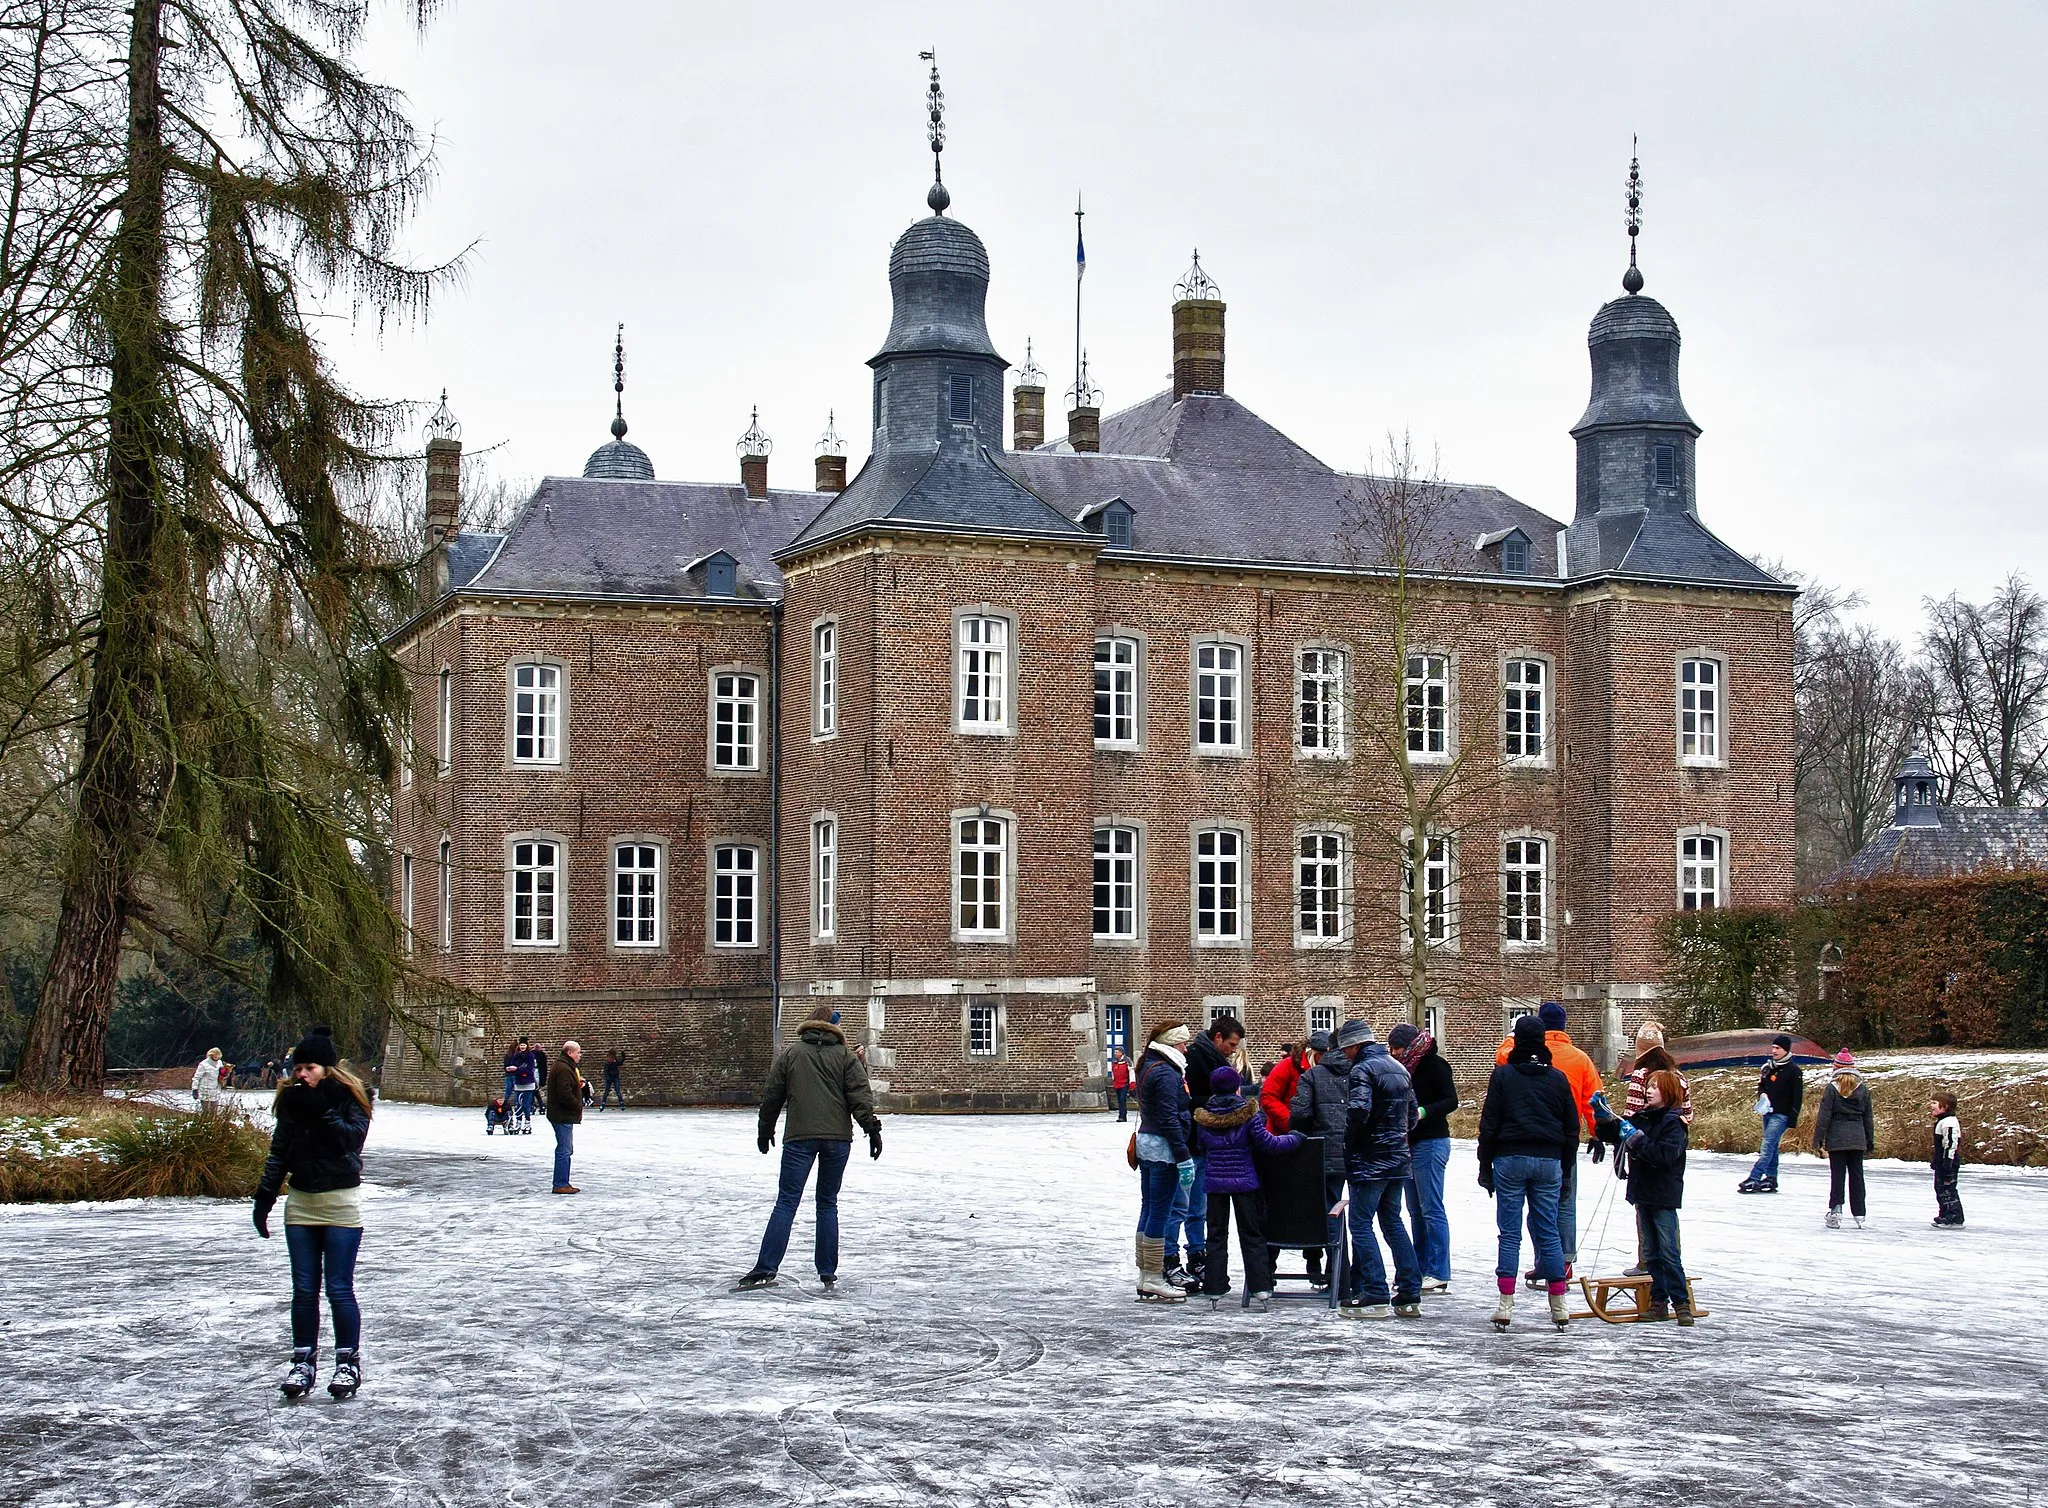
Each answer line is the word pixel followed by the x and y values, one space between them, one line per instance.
pixel 875 1142
pixel 1597 1147
pixel 261 1215
pixel 764 1141
pixel 1486 1179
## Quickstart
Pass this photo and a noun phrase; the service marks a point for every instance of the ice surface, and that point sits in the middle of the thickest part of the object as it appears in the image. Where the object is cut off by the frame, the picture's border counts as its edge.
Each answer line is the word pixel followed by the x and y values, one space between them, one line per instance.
pixel 985 1349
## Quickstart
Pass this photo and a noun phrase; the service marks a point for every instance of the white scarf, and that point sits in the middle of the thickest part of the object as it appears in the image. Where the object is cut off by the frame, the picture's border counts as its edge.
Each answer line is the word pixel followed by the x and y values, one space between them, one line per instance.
pixel 1172 1055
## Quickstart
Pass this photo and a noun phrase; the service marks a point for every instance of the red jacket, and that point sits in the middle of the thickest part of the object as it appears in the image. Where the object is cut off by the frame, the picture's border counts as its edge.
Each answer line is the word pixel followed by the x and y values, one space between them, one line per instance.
pixel 1119 1075
pixel 1278 1092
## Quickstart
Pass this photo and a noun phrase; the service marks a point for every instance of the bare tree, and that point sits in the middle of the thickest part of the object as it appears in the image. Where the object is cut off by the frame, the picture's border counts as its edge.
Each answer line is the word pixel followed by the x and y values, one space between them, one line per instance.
pixel 1861 704
pixel 1987 668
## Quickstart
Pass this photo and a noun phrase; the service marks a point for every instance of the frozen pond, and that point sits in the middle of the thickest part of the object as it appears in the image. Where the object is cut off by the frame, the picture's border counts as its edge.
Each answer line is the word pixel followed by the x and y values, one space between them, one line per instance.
pixel 984 1347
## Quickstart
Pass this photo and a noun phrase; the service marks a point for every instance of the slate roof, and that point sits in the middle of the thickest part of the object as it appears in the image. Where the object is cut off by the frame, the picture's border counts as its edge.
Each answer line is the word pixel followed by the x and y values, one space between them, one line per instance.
pixel 584 537
pixel 1970 840
pixel 1654 545
pixel 961 485
pixel 1209 479
pixel 468 554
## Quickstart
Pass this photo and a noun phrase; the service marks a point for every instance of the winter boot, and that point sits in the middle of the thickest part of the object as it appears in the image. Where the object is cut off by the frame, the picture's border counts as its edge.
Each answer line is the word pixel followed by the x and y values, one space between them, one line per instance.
pixel 1834 1219
pixel 1659 1309
pixel 348 1373
pixel 298 1382
pixel 1153 1285
pixel 1683 1311
pixel 1504 1311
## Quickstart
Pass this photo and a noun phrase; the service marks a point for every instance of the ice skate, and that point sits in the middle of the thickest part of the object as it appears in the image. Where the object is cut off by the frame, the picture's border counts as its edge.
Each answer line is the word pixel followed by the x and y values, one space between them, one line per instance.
pixel 1154 1286
pixel 1410 1310
pixel 1367 1311
pixel 1504 1311
pixel 1560 1310
pixel 1859 1221
pixel 1768 1186
pixel 1750 1186
pixel 831 1283
pixel 760 1277
pixel 1261 1302
pixel 1435 1285
pixel 348 1374
pixel 298 1381
pixel 1834 1219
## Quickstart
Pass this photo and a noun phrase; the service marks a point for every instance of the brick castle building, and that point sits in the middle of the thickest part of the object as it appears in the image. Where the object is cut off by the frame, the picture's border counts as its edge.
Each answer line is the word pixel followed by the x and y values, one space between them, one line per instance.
pixel 1006 749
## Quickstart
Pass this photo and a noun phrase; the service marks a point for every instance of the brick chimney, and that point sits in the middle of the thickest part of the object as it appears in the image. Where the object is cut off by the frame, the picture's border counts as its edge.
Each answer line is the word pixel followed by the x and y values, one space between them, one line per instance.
pixel 1027 406
pixel 444 500
pixel 1197 333
pixel 754 448
pixel 831 464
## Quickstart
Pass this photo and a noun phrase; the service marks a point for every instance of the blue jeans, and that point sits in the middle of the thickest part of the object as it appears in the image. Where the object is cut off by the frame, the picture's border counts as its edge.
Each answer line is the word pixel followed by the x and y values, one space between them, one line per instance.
pixel 1568 1209
pixel 329 1251
pixel 1123 1104
pixel 1536 1181
pixel 1190 1208
pixel 1661 1256
pixel 612 1091
pixel 1380 1198
pixel 1426 1207
pixel 1158 1189
pixel 522 1103
pixel 565 1147
pixel 797 1157
pixel 1775 1127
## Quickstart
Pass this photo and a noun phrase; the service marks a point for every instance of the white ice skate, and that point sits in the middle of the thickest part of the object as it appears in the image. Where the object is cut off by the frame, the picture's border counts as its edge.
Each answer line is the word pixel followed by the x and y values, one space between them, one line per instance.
pixel 1504 1311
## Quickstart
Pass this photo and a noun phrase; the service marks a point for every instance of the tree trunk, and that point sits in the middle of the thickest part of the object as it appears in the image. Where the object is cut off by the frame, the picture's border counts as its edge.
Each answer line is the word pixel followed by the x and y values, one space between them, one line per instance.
pixel 67 1038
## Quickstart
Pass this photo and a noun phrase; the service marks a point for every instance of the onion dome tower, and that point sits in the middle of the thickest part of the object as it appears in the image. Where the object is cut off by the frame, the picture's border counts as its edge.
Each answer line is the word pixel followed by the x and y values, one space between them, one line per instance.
pixel 619 461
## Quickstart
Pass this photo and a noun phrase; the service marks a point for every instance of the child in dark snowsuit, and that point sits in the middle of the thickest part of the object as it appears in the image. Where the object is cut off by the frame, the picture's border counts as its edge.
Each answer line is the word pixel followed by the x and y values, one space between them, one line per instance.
pixel 1947 1161
pixel 1226 1130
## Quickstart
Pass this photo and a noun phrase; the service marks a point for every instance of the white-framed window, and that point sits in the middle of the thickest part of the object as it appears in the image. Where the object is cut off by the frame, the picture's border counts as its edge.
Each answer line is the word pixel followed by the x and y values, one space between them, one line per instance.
pixel 1117 661
pixel 1319 703
pixel 735 895
pixel 445 882
pixel 1324 1012
pixel 1525 892
pixel 444 746
pixel 405 751
pixel 735 720
pixel 981 1030
pixel 405 897
pixel 1513 1009
pixel 536 893
pixel 981 875
pixel 1699 711
pixel 1217 1007
pixel 1219 697
pixel 1702 870
pixel 1427 683
pixel 1116 883
pixel 1525 711
pixel 1439 894
pixel 825 878
pixel 1219 885
pixel 536 713
pixel 825 678
pixel 1433 1020
pixel 983 675
pixel 636 895
pixel 1322 885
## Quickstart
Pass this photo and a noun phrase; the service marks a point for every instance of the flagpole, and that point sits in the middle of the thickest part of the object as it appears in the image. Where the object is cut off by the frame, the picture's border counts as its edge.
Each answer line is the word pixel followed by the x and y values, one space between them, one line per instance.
pixel 1080 266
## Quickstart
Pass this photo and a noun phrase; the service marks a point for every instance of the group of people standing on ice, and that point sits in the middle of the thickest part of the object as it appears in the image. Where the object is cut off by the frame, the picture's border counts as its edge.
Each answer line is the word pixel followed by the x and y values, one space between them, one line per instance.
pixel 1381 1114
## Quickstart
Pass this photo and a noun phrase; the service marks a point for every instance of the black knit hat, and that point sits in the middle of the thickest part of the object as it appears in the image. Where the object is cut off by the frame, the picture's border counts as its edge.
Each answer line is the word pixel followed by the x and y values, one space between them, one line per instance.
pixel 318 1047
pixel 1781 1040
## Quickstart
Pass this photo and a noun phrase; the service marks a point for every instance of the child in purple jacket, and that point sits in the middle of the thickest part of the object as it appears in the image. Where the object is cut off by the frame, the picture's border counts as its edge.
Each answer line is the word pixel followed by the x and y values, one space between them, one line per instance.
pixel 1226 1130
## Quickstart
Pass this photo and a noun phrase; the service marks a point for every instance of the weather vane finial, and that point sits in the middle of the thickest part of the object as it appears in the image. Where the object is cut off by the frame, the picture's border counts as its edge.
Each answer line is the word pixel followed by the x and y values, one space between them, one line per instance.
pixel 1031 375
pixel 1632 280
pixel 1084 394
pixel 619 384
pixel 935 128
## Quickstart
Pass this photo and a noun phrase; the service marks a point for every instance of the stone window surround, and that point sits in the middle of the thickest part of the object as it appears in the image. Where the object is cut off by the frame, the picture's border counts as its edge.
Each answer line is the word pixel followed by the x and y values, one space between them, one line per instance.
pixel 1001 1041
pixel 539 835
pixel 1141 919
pixel 1346 867
pixel 1141 709
pixel 662 874
pixel 562 690
pixel 1244 888
pixel 1722 722
pixel 1242 748
pixel 1549 842
pixel 712 844
pixel 759 768
pixel 1008 936
pixel 1012 659
pixel 818 819
pixel 1548 758
pixel 1332 1003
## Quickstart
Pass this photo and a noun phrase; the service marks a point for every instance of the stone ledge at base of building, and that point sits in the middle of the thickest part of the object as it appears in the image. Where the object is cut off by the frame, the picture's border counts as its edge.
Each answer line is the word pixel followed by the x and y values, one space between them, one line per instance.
pixel 991 1102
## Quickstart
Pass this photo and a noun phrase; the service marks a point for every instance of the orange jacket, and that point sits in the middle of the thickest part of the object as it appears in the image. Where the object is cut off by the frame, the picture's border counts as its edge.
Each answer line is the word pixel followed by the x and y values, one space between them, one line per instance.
pixel 1573 1064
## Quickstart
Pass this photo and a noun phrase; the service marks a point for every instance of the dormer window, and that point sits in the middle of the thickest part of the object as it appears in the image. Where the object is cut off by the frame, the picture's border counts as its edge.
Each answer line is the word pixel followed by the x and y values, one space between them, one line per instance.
pixel 1115 520
pixel 720 573
pixel 960 399
pixel 1667 465
pixel 1514 556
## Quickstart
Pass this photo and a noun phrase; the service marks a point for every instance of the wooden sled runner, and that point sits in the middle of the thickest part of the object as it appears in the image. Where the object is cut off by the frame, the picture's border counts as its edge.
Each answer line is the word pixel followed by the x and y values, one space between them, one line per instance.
pixel 1624 1300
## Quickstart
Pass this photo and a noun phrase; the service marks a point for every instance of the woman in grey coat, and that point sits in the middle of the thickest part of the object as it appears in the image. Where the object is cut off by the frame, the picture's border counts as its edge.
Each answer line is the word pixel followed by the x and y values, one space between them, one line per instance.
pixel 1845 1132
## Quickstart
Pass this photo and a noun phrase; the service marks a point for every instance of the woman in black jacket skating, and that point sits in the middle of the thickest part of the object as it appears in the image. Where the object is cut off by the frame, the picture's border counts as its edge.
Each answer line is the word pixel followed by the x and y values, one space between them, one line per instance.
pixel 1845 1132
pixel 323 1116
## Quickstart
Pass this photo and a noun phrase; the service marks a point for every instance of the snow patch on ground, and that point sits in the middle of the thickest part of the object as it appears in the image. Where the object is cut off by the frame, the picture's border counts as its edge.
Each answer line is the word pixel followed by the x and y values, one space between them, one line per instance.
pixel 529 1349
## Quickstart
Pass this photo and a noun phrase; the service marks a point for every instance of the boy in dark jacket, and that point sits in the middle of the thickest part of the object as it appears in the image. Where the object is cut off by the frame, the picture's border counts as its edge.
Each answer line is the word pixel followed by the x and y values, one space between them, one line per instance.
pixel 1436 1096
pixel 1377 1164
pixel 1655 1140
pixel 1781 1094
pixel 1947 1161
pixel 1227 1128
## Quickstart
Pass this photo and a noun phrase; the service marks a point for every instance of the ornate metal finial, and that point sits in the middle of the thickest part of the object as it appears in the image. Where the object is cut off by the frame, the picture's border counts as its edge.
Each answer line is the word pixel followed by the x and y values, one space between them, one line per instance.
pixel 935 128
pixel 755 441
pixel 1632 280
pixel 619 384
pixel 829 443
pixel 1030 374
pixel 1195 283
pixel 1084 394
pixel 443 425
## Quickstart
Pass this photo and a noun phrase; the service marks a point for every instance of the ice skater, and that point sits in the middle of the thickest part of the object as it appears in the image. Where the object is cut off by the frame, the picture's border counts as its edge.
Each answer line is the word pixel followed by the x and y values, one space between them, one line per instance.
pixel 1947 1161
pixel 614 1066
pixel 1780 1096
pixel 566 1095
pixel 206 1080
pixel 1378 1165
pixel 1528 1133
pixel 316 1153
pixel 1166 1156
pixel 1436 1097
pixel 824 1087
pixel 1845 1132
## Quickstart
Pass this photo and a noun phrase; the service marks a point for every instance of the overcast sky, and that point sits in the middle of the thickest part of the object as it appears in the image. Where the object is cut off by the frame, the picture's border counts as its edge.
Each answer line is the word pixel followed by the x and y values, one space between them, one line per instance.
pixel 1412 211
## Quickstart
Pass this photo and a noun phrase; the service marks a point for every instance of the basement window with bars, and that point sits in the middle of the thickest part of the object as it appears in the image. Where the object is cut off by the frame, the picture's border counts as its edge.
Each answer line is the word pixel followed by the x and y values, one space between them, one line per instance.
pixel 981 1031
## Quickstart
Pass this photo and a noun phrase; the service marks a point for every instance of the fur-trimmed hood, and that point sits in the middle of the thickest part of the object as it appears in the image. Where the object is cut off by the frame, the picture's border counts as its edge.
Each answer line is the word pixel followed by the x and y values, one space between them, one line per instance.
pixel 1225 1113
pixel 821 1032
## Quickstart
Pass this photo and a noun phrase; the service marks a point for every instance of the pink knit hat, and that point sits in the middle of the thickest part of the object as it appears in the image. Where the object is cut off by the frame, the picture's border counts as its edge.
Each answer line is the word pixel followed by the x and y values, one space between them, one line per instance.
pixel 1845 1059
